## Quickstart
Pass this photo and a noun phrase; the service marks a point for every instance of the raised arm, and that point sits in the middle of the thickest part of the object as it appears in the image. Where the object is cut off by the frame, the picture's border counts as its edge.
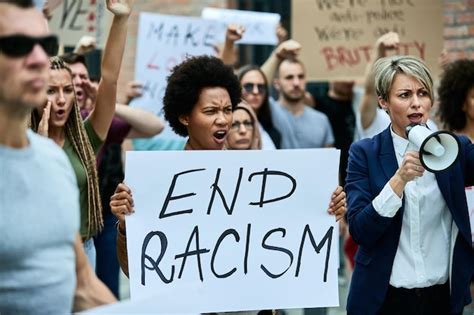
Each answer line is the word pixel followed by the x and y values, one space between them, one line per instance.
pixel 90 291
pixel 234 33
pixel 101 116
pixel 281 33
pixel 85 44
pixel 287 49
pixel 144 123
pixel 369 104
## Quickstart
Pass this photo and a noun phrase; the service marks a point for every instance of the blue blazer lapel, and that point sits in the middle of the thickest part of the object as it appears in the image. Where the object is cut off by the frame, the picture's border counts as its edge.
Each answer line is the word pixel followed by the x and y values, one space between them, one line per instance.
pixel 388 159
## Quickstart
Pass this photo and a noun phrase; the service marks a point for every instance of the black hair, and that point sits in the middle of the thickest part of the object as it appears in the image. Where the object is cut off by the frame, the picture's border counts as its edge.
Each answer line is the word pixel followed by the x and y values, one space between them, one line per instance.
pixel 186 82
pixel 456 81
pixel 71 58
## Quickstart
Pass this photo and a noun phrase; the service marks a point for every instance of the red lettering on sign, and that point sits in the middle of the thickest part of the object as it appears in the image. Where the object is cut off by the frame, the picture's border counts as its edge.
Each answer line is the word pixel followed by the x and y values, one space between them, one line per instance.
pixel 341 56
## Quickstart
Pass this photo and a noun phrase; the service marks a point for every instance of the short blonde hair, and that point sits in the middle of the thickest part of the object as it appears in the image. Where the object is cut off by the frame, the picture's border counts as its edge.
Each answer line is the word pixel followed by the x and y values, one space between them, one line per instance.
pixel 385 70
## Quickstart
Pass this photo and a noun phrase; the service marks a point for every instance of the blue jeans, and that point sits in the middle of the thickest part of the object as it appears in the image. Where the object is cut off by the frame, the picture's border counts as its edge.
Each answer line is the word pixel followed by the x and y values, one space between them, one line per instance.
pixel 89 249
pixel 108 268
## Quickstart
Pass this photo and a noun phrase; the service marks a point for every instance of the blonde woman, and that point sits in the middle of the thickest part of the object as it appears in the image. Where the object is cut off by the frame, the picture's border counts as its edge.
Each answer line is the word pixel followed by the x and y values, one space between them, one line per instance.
pixel 61 121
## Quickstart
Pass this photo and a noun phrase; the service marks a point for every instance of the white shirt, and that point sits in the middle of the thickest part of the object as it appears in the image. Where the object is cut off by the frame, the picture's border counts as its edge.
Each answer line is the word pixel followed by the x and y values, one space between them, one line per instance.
pixel 267 142
pixel 423 252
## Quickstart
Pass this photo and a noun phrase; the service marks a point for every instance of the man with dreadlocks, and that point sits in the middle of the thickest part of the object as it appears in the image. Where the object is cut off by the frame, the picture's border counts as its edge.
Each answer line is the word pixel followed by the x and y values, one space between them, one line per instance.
pixel 43 268
pixel 62 122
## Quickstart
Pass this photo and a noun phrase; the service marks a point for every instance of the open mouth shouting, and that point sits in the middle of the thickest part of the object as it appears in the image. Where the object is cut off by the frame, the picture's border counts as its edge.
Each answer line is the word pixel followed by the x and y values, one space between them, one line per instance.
pixel 416 118
pixel 219 136
pixel 60 114
pixel 80 95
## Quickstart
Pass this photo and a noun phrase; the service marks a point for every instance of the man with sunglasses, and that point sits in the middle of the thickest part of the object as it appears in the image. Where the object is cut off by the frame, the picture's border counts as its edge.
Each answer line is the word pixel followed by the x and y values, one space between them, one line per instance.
pixel 43 268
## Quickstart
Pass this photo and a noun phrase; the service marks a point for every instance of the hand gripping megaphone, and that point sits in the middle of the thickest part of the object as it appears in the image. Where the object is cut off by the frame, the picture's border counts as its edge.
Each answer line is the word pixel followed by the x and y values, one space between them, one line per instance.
pixel 438 150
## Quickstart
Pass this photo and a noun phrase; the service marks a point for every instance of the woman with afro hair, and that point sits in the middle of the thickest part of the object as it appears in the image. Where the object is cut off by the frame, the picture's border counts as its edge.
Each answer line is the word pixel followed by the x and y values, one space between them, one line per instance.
pixel 199 100
pixel 456 110
pixel 456 97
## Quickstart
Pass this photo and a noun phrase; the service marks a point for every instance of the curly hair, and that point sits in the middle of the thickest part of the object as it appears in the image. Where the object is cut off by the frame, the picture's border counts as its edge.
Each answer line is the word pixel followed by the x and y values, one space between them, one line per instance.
pixel 456 81
pixel 186 82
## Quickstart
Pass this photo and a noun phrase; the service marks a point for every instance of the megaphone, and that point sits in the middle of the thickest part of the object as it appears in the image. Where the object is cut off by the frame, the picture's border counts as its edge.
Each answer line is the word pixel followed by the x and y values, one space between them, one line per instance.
pixel 438 150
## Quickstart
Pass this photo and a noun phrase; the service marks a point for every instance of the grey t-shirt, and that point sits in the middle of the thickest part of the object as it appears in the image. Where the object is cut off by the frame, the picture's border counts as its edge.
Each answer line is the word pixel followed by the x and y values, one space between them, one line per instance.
pixel 311 129
pixel 39 221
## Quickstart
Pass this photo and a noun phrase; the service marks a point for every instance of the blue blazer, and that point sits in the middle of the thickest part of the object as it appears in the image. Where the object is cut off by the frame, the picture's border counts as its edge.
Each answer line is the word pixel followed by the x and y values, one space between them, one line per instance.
pixel 372 162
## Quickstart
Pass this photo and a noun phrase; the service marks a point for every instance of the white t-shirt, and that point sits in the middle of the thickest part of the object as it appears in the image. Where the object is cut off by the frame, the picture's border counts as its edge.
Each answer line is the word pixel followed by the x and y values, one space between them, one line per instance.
pixel 267 142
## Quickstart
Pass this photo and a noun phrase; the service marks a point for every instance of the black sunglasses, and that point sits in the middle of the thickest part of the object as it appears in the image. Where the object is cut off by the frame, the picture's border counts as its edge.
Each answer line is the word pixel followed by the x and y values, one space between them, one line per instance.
pixel 249 88
pixel 22 45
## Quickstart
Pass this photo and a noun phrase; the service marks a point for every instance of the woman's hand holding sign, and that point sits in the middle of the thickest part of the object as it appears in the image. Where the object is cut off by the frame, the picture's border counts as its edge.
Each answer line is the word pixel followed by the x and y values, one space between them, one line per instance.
pixel 121 204
pixel 338 204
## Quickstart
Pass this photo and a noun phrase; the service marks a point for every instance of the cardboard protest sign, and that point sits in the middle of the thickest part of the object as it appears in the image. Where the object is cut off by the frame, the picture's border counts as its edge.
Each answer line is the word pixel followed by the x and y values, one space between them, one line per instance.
pixel 73 19
pixel 338 36
pixel 164 41
pixel 233 230
pixel 260 27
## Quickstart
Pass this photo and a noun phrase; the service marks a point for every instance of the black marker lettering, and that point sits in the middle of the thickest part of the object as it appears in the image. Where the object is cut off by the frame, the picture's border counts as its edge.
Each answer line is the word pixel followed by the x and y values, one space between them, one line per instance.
pixel 317 248
pixel 276 248
pixel 169 197
pixel 197 253
pixel 216 187
pixel 154 264
pixel 218 243
pixel 264 174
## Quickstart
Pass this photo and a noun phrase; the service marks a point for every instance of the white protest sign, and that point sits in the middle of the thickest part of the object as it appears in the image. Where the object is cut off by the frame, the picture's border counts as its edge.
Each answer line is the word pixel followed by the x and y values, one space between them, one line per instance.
pixel 260 27
pixel 76 18
pixel 137 306
pixel 163 42
pixel 233 230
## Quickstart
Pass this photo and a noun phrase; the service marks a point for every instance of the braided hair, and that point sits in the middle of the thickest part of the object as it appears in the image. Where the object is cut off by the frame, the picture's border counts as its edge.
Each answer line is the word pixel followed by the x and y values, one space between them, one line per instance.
pixel 77 135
